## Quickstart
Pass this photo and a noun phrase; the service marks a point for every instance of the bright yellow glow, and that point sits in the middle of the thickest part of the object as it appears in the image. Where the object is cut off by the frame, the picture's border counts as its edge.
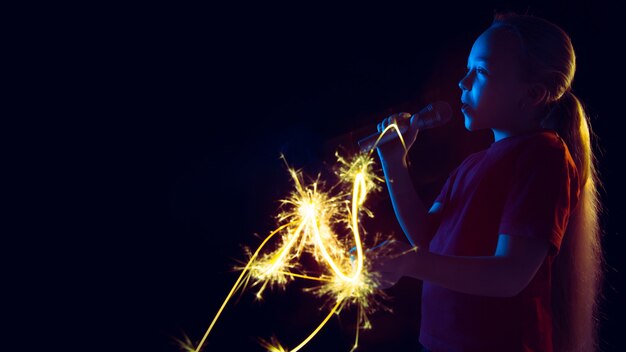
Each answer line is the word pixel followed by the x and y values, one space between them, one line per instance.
pixel 237 285
pixel 308 225
pixel 390 127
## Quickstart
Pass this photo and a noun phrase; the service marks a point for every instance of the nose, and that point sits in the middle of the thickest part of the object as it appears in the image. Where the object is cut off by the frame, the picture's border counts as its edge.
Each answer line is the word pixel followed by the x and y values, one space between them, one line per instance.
pixel 463 83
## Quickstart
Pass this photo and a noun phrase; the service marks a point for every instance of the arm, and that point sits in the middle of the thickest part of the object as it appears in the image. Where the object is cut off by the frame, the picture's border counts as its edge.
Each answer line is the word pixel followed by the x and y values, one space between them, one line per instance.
pixel 413 216
pixel 505 274
pixel 410 211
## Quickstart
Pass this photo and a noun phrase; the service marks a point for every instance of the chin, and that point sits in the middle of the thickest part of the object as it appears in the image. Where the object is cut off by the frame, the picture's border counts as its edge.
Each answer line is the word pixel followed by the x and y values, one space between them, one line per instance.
pixel 470 124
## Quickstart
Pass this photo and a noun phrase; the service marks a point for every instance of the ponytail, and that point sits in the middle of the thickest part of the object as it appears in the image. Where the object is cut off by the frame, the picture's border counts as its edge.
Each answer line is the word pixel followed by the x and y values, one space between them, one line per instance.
pixel 578 268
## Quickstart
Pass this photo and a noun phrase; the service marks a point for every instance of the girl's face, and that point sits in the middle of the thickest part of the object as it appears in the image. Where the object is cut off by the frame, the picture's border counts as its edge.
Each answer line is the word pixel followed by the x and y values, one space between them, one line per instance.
pixel 493 87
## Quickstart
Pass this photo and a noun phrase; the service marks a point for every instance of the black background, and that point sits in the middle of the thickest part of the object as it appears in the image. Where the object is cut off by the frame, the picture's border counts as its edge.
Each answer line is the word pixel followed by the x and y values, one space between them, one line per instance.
pixel 165 142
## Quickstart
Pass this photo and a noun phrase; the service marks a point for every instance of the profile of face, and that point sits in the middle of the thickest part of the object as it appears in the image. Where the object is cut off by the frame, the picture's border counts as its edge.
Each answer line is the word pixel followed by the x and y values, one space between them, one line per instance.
pixel 493 87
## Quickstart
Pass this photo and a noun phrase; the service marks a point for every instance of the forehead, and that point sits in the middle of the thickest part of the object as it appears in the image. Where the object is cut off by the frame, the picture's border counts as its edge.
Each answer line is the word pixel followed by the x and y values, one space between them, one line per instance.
pixel 498 47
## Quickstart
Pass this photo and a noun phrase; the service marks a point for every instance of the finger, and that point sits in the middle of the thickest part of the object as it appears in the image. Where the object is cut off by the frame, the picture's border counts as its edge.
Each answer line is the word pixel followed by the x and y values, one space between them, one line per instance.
pixel 401 119
pixel 413 129
pixel 388 121
pixel 383 124
pixel 393 119
pixel 404 115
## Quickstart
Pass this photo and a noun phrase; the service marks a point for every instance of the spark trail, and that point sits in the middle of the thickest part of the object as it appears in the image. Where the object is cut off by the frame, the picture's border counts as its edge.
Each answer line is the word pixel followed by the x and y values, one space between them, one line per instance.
pixel 309 224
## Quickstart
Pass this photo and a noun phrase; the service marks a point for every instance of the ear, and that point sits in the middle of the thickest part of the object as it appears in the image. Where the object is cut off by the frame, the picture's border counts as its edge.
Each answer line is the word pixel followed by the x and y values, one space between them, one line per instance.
pixel 536 94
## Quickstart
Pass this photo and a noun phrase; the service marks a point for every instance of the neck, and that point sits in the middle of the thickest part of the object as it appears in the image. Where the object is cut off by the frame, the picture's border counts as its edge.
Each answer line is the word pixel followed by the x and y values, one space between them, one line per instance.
pixel 524 122
pixel 499 134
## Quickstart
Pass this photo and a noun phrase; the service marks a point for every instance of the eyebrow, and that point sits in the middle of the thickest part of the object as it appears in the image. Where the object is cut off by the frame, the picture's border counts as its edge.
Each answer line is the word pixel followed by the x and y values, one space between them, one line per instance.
pixel 485 60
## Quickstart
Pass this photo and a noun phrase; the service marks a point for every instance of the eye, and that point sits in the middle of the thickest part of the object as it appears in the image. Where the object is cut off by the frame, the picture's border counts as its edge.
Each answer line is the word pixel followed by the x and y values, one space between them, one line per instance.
pixel 481 70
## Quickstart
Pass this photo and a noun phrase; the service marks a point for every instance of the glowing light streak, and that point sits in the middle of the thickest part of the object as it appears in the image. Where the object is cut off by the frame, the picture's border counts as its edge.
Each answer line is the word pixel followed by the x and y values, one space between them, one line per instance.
pixel 314 214
pixel 390 127
pixel 237 284
pixel 318 328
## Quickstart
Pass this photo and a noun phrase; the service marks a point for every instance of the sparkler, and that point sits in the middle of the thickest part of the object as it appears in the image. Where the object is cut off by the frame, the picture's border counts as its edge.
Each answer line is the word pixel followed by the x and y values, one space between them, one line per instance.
pixel 309 223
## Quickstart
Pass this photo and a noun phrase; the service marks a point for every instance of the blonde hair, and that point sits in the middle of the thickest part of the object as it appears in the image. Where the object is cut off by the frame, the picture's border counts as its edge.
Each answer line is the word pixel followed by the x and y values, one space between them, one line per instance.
pixel 578 269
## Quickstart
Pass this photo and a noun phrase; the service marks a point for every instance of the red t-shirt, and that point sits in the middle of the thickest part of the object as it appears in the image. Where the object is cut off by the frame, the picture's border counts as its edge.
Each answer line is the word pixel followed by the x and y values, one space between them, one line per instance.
pixel 524 185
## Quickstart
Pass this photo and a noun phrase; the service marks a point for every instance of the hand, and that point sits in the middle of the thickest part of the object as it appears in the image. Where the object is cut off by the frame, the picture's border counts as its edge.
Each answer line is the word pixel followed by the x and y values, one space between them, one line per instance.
pixel 393 263
pixel 393 151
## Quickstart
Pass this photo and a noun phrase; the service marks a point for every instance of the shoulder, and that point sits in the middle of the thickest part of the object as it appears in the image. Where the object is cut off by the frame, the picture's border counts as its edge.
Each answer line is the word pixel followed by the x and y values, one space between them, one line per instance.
pixel 547 140
pixel 545 158
pixel 531 141
pixel 535 155
pixel 537 138
pixel 543 148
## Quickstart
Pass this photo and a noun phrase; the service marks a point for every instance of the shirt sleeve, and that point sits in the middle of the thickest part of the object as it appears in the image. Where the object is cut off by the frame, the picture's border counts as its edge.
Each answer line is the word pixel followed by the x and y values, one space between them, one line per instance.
pixel 544 190
pixel 445 190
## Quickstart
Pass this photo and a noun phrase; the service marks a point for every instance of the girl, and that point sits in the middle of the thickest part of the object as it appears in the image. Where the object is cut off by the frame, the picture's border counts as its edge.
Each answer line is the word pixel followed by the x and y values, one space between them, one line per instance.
pixel 510 251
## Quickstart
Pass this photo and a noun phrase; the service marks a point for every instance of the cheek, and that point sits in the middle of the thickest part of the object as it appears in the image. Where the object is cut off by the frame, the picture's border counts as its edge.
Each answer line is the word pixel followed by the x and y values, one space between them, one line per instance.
pixel 486 100
pixel 495 100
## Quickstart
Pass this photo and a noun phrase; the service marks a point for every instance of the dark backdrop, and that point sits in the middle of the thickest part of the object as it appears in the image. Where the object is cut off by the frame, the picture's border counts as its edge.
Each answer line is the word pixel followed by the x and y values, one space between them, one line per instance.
pixel 179 115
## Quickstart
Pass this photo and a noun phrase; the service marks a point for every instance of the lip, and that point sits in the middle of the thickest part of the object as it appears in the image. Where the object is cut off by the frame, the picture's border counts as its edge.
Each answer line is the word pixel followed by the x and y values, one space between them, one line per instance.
pixel 464 107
